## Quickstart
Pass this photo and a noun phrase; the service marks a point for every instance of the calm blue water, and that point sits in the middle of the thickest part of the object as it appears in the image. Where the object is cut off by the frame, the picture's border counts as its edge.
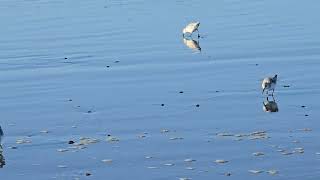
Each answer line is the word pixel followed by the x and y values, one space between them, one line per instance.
pixel 91 68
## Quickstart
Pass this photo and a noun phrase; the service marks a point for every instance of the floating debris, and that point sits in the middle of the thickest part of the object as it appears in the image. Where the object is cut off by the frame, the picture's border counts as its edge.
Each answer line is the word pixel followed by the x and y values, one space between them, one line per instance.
pixel 258 154
pixel 189 160
pixel 240 135
pixel 152 167
pixel 198 105
pixel 88 174
pixel 272 172
pixel 87 141
pixel 142 136
pixel 62 166
pixel 189 168
pixel 258 133
pixel 227 174
pixel 281 150
pixel 176 138
pixel 169 164
pixel 286 86
pixel 62 150
pixel 224 134
pixel 165 130
pixel 162 104
pixel 23 141
pixel 107 160
pixel 299 150
pixel 221 161
pixel 13 147
pixel 305 129
pixel 112 139
pixel 70 142
pixel 184 178
pixel 255 171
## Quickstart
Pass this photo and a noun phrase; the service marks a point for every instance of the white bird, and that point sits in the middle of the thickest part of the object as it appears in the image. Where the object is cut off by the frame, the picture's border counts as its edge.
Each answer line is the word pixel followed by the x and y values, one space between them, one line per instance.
pixel 269 83
pixel 190 28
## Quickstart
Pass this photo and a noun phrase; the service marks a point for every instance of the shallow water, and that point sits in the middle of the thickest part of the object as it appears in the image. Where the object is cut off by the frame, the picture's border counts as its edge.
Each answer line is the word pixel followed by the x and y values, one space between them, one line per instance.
pixel 71 69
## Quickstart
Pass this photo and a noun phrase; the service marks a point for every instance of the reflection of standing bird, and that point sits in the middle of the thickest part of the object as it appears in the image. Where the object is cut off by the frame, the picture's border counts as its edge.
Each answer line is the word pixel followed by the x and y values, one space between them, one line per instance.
pixel 270 106
pixel 190 28
pixel 2 161
pixel 269 83
pixel 192 44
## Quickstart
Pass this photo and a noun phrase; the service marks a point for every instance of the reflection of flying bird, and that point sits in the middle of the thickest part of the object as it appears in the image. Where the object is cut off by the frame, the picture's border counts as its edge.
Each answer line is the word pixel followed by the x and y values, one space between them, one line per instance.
pixel 192 44
pixel 270 106
pixel 190 28
pixel 269 83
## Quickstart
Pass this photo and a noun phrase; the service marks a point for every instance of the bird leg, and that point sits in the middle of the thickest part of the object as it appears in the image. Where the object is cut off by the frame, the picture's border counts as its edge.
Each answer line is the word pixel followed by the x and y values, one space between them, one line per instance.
pixel 198 33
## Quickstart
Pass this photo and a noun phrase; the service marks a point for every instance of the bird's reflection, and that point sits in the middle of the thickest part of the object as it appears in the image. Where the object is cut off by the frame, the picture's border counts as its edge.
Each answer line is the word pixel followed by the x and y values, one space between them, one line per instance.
pixel 2 161
pixel 270 105
pixel 192 44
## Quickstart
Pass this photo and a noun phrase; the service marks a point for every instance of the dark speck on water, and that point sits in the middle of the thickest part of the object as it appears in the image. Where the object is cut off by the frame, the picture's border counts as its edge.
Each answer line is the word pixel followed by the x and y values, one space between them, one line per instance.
pixel 181 92
pixel 88 174
pixel 286 86
pixel 89 111
pixel 116 61
pixel 71 142
pixel 198 105
pixel 107 66
pixel 162 104
pixel 303 106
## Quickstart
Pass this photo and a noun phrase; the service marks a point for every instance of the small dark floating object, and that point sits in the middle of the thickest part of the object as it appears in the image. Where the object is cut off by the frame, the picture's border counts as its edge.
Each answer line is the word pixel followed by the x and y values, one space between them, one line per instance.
pixel 286 86
pixel 70 100
pixel 257 64
pixel 109 135
pixel 65 58
pixel 227 174
pixel 116 61
pixel 107 66
pixel 181 92
pixel 89 111
pixel 78 106
pixel 303 106
pixel 162 104
pixel 198 105
pixel 217 91
pixel 71 142
pixel 306 115
pixel 88 174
